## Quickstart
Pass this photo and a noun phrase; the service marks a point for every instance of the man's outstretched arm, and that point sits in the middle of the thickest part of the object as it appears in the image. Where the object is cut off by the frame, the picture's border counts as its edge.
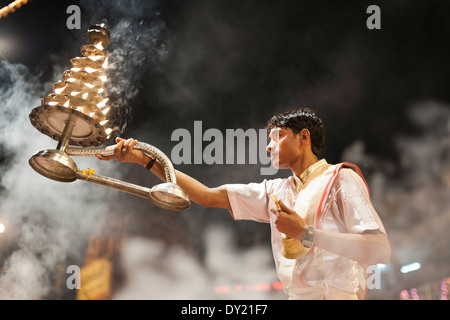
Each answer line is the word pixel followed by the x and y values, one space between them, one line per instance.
pixel 197 191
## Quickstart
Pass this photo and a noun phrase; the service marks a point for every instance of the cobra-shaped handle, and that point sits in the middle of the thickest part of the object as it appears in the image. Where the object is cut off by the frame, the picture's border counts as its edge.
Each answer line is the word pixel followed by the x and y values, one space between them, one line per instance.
pixel 167 195
pixel 109 151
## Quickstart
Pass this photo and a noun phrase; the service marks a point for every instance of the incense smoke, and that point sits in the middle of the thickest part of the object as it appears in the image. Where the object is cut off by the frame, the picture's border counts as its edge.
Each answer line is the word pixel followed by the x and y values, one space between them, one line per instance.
pixel 47 222
pixel 412 197
pixel 140 41
pixel 156 272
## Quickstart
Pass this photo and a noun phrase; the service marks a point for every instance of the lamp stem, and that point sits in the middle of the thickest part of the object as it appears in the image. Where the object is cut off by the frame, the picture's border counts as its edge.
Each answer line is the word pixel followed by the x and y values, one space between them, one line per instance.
pixel 66 134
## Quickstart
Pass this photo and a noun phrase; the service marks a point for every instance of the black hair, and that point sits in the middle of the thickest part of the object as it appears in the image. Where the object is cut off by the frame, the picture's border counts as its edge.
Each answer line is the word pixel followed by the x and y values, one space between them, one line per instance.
pixel 300 119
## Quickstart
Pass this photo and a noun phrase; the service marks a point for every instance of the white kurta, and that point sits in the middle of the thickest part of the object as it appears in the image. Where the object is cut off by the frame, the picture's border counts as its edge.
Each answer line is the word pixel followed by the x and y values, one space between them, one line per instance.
pixel 347 209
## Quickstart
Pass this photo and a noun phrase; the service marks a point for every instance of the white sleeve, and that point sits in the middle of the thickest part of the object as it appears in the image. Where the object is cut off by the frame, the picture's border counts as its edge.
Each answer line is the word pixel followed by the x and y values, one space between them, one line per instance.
pixel 356 210
pixel 249 201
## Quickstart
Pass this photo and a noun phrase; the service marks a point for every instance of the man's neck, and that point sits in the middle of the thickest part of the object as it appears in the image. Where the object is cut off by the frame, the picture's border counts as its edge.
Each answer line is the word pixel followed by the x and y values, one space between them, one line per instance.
pixel 303 163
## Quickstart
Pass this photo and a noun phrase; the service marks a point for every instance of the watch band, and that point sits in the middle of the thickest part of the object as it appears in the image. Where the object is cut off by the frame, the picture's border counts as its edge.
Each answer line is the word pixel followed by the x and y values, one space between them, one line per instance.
pixel 150 163
pixel 308 238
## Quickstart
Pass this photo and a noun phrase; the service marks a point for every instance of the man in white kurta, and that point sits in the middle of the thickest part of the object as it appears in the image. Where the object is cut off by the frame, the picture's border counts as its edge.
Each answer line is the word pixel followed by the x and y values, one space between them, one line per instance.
pixel 325 207
pixel 346 208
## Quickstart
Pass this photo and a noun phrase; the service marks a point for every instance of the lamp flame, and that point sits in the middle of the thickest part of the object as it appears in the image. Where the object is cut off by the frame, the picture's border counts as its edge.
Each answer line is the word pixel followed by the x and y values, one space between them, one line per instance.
pixel 11 7
pixel 82 88
pixel 99 46
pixel 76 111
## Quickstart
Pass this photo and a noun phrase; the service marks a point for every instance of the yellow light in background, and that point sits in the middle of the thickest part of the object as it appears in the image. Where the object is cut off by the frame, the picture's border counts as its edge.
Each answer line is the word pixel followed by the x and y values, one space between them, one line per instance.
pixel 11 7
pixel 2 227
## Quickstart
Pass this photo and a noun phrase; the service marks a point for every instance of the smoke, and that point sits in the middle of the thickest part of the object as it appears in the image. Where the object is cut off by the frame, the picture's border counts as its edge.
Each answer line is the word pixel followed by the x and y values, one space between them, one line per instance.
pixel 412 196
pixel 47 223
pixel 155 271
pixel 139 42
pixel 134 47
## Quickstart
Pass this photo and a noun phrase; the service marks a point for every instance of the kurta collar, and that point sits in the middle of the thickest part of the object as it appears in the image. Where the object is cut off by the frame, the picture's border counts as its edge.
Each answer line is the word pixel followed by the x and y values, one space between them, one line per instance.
pixel 305 174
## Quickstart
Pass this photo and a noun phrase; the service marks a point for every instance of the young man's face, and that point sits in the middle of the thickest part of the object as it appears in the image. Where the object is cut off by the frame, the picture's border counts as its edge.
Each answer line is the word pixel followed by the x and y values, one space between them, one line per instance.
pixel 284 147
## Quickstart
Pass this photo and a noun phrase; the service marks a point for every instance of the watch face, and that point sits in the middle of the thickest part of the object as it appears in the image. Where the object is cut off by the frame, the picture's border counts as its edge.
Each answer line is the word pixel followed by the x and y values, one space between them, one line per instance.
pixel 307 243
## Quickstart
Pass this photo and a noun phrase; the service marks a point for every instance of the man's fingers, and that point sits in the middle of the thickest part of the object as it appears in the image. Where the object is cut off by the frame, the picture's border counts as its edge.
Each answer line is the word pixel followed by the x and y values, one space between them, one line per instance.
pixel 126 149
pixel 119 150
pixel 100 157
pixel 284 208
pixel 129 143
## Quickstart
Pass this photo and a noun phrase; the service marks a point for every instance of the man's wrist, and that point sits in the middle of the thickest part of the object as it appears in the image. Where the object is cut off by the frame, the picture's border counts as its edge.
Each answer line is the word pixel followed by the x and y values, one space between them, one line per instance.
pixel 146 159
pixel 302 232
pixel 307 239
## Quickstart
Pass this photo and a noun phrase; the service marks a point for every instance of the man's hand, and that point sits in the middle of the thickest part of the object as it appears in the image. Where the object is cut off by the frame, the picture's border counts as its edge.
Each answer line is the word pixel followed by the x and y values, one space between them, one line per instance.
pixel 290 223
pixel 124 152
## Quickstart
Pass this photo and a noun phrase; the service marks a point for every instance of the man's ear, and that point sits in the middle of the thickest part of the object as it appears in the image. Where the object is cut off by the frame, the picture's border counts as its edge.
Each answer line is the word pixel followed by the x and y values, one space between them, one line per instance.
pixel 304 135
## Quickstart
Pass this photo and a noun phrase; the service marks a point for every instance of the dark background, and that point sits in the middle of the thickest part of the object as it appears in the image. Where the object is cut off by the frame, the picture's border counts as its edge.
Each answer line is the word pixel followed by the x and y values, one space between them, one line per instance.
pixel 250 59
pixel 233 64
